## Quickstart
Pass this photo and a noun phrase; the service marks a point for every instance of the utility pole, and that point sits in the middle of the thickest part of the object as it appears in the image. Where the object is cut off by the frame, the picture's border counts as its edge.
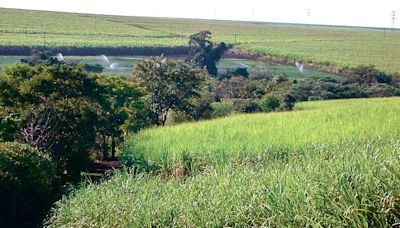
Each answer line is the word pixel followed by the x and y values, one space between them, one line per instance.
pixel 235 39
pixel 308 13
pixel 393 18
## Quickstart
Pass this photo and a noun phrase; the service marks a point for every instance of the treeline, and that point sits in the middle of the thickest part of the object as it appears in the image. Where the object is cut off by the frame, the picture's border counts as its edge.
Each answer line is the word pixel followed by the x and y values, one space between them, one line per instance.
pixel 359 82
pixel 260 91
pixel 85 51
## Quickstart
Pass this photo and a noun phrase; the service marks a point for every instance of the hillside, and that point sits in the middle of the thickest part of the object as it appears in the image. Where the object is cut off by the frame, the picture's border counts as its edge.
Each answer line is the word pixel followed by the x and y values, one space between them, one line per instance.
pixel 330 163
pixel 328 47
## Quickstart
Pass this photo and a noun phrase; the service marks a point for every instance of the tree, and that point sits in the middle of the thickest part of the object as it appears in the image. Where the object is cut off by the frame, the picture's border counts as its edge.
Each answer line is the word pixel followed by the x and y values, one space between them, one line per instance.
pixel 71 95
pixel 60 109
pixel 40 129
pixel 204 53
pixel 121 112
pixel 169 85
pixel 26 187
pixel 39 56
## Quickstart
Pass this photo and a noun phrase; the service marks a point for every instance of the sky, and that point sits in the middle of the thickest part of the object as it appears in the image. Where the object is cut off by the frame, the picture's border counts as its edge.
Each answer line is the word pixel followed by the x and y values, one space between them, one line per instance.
pixel 370 13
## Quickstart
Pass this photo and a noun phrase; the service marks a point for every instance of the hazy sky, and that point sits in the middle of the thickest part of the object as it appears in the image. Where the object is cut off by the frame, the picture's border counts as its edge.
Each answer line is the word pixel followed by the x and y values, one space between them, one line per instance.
pixel 336 12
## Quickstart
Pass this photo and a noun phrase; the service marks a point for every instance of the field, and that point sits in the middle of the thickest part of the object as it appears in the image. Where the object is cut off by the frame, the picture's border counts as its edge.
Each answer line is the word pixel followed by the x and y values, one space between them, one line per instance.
pixel 125 65
pixel 329 48
pixel 329 163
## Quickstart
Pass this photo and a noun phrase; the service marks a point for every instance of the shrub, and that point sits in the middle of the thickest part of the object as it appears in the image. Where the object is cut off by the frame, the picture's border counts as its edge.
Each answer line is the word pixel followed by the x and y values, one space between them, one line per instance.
pixel 97 68
pixel 241 71
pixel 287 102
pixel 9 126
pixel 176 117
pixel 365 74
pixel 26 185
pixel 223 108
pixel 380 90
pixel 269 103
pixel 283 77
pixel 314 98
pixel 245 105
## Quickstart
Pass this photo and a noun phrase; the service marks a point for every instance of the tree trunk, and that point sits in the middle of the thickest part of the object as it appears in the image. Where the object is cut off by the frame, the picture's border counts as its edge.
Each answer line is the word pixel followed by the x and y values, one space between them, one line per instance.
pixel 113 146
pixel 164 117
pixel 104 146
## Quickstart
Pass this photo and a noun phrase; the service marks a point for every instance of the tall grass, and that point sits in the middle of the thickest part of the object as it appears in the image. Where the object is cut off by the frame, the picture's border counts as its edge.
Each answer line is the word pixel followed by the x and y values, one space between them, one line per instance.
pixel 334 163
pixel 232 138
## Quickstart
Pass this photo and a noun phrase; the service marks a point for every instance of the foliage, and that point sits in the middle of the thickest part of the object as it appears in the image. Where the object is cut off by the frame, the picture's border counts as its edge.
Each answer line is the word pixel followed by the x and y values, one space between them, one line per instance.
pixel 9 126
pixel 201 106
pixel 39 56
pixel 40 130
pixel 96 68
pixel 361 81
pixel 232 88
pixel 84 106
pixel 241 72
pixel 169 85
pixel 331 163
pixel 221 109
pixel 26 186
pixel 366 75
pixel 204 53
pixel 122 111
pixel 69 92
pixel 269 103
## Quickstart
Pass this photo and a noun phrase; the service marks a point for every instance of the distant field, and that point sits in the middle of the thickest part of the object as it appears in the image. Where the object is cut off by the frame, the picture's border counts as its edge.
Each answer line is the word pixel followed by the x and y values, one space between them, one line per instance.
pixel 328 47
pixel 327 164
pixel 125 65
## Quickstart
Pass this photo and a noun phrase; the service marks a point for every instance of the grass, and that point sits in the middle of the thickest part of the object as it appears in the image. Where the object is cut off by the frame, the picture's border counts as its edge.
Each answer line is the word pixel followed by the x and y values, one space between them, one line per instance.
pixel 331 48
pixel 330 163
pixel 331 123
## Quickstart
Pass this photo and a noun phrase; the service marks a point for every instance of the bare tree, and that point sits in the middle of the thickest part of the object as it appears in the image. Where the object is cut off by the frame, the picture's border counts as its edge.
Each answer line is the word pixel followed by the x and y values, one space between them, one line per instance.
pixel 40 130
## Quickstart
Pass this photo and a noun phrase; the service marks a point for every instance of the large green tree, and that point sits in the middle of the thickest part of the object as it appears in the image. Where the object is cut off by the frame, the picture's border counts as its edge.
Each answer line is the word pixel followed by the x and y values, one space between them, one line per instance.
pixel 121 113
pixel 204 53
pixel 169 85
pixel 60 109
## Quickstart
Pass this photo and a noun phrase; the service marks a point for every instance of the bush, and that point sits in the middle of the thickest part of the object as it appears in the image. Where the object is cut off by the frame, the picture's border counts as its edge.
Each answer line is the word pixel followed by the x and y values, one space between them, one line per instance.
pixel 269 103
pixel 380 90
pixel 176 117
pixel 9 126
pixel 26 185
pixel 97 68
pixel 314 98
pixel 245 105
pixel 287 102
pixel 223 108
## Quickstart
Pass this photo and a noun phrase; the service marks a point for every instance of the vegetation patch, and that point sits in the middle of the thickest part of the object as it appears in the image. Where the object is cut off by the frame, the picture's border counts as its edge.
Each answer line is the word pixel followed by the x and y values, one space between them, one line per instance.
pixel 27 184
pixel 331 163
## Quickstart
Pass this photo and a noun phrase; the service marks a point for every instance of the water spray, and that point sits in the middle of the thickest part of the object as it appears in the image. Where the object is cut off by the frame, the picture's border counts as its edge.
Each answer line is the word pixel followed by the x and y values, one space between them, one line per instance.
pixel 300 66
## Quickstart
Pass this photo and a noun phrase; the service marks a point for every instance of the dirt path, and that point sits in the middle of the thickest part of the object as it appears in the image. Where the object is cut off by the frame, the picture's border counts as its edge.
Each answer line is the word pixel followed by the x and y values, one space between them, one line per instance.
pixel 102 167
